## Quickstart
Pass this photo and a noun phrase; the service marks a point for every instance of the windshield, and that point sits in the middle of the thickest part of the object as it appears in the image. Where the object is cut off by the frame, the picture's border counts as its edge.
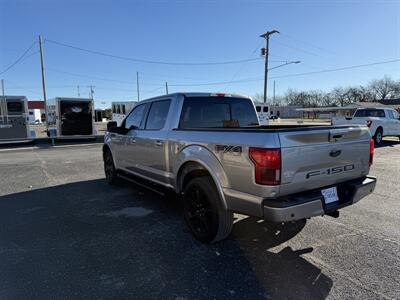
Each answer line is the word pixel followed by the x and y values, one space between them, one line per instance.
pixel 217 112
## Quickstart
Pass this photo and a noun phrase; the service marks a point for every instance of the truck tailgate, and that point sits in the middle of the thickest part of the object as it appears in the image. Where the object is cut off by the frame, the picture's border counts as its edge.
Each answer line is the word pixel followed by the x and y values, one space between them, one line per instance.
pixel 320 157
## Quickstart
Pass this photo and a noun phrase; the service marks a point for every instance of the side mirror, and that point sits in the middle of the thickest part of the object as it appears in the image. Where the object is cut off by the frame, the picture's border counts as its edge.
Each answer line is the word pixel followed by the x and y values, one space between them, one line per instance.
pixel 111 126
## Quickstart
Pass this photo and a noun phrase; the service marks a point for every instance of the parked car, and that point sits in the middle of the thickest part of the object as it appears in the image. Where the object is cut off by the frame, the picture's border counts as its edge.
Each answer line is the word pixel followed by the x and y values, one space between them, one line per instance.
pixel 211 151
pixel 380 121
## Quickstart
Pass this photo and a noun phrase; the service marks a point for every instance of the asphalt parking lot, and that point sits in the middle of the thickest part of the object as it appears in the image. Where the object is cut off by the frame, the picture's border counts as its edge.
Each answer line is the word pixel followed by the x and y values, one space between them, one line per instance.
pixel 66 234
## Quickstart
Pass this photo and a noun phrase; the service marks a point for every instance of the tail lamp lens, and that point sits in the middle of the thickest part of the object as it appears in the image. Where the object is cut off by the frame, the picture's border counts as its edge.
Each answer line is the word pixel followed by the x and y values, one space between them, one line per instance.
pixel 267 164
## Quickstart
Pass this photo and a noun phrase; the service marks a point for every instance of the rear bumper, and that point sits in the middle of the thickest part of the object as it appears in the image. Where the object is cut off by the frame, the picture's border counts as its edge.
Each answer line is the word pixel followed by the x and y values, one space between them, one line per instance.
pixel 311 203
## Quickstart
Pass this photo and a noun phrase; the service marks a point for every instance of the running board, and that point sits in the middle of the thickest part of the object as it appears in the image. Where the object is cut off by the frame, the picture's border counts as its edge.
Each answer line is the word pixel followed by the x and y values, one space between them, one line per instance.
pixel 129 178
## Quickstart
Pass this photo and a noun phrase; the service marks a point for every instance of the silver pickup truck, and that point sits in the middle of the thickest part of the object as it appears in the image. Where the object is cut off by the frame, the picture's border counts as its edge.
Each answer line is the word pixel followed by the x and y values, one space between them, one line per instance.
pixel 210 150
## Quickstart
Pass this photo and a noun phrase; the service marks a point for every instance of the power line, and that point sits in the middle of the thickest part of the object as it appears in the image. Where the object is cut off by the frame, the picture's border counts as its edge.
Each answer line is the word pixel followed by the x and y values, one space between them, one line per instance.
pixel 339 69
pixel 307 43
pixel 19 59
pixel 245 80
pixel 298 49
pixel 88 76
pixel 152 61
pixel 293 75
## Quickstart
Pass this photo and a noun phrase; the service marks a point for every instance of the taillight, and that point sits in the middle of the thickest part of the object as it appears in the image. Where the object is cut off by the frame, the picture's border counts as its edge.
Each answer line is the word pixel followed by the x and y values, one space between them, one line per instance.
pixel 267 164
pixel 369 123
pixel 371 151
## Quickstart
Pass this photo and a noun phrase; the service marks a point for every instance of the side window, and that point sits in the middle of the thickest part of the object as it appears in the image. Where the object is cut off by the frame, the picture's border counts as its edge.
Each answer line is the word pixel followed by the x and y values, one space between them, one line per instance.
pixel 265 109
pixel 258 108
pixel 113 108
pixel 157 115
pixel 123 108
pixel 380 113
pixel 396 115
pixel 118 109
pixel 390 113
pixel 360 113
pixel 135 117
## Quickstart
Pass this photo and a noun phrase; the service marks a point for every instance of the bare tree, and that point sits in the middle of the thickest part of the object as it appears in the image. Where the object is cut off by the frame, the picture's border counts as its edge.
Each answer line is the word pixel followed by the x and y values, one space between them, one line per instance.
pixel 258 97
pixel 383 88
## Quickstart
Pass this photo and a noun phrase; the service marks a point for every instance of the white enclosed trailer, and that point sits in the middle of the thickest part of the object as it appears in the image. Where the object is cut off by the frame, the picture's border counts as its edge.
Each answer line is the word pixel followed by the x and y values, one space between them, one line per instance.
pixel 263 112
pixel 121 109
pixel 14 120
pixel 71 118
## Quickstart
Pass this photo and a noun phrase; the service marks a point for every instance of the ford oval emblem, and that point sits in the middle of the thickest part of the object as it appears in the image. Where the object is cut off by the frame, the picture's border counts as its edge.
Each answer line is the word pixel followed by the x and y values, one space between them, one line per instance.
pixel 335 153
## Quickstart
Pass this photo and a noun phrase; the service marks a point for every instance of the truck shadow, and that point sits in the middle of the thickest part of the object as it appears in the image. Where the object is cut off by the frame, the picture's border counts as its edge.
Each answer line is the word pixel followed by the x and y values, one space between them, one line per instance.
pixel 283 271
pixel 99 241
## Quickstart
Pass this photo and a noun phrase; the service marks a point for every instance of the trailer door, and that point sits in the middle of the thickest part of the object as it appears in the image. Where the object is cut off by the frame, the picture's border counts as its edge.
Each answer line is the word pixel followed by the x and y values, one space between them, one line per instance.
pixel 14 123
pixel 76 118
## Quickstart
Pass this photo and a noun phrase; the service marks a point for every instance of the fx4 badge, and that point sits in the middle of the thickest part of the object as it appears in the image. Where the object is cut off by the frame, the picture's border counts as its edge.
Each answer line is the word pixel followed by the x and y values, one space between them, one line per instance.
pixel 228 149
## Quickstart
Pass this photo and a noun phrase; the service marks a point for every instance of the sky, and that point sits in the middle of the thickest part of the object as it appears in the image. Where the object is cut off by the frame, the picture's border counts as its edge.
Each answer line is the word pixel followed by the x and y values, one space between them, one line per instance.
pixel 323 35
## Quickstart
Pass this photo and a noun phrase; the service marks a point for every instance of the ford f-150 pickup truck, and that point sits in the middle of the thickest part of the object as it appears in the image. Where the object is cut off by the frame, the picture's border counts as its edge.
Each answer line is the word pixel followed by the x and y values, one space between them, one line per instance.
pixel 212 152
pixel 380 121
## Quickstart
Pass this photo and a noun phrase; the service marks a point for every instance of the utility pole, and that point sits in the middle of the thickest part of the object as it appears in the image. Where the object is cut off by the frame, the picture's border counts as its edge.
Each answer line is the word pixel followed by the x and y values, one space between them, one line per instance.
pixel 265 51
pixel 3 110
pixel 91 92
pixel 79 92
pixel 166 87
pixel 43 81
pixel 273 100
pixel 2 87
pixel 137 86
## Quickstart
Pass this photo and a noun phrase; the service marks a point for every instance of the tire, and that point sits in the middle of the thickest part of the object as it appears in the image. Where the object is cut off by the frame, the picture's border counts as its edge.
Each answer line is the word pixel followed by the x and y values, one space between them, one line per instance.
pixel 109 168
pixel 203 211
pixel 378 136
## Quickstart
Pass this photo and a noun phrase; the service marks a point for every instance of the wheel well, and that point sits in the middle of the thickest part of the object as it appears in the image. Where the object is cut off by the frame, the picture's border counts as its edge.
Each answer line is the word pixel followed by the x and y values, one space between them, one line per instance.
pixel 189 171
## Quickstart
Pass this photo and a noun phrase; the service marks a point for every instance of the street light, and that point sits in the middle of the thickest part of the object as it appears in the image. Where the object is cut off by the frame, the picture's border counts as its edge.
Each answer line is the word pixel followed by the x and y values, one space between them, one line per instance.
pixel 285 64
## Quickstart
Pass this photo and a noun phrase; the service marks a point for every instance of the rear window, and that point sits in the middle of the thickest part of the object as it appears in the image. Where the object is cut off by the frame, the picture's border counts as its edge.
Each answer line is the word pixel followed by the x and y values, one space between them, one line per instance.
pixel 217 112
pixel 370 113
pixel 15 107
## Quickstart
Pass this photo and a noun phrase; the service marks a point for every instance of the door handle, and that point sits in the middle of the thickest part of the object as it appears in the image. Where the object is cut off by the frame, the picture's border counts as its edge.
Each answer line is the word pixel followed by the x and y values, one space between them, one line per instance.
pixel 158 143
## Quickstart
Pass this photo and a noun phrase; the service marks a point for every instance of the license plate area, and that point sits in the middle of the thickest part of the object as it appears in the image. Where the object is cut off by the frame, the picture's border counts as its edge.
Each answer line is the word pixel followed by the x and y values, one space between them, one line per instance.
pixel 330 195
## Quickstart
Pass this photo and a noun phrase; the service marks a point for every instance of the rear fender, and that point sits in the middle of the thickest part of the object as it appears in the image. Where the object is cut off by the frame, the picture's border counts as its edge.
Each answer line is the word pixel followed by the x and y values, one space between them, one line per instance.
pixel 196 155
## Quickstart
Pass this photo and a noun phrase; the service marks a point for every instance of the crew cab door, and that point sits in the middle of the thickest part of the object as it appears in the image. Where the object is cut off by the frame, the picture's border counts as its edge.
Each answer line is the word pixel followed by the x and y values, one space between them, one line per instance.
pixel 393 122
pixel 151 143
pixel 125 145
pixel 396 128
